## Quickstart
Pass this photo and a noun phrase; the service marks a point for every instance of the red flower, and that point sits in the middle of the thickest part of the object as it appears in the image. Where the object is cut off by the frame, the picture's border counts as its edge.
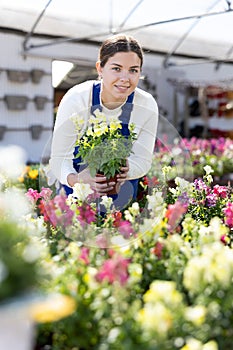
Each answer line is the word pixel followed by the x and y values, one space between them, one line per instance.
pixel 150 182
pixel 221 191
pixel 158 249
pixel 117 215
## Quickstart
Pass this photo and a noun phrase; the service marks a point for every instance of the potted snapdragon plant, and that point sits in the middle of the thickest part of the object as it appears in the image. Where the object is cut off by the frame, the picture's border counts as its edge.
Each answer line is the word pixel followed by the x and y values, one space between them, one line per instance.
pixel 101 145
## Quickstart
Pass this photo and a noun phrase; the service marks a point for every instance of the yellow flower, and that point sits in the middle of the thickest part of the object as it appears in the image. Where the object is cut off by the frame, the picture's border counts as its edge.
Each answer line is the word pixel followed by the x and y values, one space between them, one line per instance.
pixel 53 309
pixel 194 344
pixel 27 169
pixel 33 174
pixel 156 318
pixel 164 291
pixel 21 179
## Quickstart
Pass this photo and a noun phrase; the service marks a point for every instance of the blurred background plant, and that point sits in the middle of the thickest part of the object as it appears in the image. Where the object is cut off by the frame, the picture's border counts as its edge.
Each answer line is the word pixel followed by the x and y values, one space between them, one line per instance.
pixel 187 157
pixel 21 248
pixel 30 177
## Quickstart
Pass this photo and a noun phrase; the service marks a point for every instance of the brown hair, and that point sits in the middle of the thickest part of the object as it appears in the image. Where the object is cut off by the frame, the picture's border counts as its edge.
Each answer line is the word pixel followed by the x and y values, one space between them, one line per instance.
pixel 119 43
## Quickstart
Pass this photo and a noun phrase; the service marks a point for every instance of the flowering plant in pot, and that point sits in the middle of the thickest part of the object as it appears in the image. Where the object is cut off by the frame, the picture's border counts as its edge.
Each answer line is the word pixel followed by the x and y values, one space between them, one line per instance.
pixel 102 145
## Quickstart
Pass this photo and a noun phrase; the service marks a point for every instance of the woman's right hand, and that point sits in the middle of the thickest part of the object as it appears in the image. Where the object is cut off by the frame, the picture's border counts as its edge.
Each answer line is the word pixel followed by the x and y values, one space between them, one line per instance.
pixel 98 184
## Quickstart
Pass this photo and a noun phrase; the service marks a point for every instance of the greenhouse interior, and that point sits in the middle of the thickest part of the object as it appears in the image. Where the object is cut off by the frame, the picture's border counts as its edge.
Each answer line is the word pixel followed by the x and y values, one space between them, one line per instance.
pixel 149 266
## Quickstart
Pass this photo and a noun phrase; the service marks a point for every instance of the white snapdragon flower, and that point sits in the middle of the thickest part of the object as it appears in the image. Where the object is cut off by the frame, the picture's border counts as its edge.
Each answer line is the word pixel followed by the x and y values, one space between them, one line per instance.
pixel 183 184
pixel 134 209
pixel 78 122
pixel 156 204
pixel 81 191
pixel 208 169
pixel 107 202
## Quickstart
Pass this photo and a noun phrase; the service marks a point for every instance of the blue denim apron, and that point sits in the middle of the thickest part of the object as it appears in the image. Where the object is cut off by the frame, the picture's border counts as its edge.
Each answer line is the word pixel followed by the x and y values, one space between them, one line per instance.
pixel 124 118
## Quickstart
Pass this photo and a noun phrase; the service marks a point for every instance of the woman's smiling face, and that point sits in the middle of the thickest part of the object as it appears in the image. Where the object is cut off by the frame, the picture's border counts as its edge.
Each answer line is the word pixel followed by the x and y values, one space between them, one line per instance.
pixel 120 76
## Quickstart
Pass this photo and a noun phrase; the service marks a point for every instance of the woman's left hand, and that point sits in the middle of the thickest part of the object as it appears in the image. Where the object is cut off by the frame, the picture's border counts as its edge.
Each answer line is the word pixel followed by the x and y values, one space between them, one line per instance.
pixel 122 176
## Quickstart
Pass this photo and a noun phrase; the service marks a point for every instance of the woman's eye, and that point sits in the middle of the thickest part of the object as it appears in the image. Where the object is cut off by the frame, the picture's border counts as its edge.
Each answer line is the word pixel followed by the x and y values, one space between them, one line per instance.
pixel 117 69
pixel 134 70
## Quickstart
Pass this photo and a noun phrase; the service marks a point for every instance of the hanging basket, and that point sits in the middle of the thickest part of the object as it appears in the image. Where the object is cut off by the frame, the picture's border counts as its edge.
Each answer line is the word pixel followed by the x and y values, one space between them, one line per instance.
pixel 18 76
pixel 36 131
pixel 36 75
pixel 3 129
pixel 16 103
pixel 40 102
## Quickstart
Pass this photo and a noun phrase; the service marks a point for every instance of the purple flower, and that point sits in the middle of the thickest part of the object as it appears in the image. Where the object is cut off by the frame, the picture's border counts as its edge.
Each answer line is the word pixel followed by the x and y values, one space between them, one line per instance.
pixel 211 200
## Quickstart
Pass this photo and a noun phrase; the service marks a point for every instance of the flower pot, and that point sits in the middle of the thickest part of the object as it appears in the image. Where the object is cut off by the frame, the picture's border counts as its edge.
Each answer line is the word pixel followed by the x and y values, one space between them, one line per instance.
pixel 36 75
pixel 112 179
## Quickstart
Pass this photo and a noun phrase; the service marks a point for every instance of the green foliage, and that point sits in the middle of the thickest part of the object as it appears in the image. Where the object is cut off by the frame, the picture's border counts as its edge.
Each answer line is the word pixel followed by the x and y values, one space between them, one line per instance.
pixel 19 274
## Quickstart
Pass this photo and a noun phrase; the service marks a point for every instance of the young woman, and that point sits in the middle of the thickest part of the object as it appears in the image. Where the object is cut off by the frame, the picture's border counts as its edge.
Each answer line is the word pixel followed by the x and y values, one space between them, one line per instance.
pixel 115 93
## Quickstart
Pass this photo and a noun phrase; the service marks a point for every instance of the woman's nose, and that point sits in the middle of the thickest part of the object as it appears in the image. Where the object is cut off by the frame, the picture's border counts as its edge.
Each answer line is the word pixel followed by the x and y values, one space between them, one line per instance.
pixel 124 76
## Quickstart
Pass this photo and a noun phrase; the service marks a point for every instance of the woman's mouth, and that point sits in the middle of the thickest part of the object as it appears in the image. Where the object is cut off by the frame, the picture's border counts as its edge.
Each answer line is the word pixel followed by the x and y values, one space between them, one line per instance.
pixel 122 88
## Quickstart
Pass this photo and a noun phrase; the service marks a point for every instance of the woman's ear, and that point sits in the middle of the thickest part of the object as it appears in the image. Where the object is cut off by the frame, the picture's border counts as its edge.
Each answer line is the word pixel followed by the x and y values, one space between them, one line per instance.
pixel 99 69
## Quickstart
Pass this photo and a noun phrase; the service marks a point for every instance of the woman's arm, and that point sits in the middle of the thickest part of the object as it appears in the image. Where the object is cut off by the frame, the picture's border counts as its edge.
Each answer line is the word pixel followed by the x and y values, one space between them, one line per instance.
pixel 141 158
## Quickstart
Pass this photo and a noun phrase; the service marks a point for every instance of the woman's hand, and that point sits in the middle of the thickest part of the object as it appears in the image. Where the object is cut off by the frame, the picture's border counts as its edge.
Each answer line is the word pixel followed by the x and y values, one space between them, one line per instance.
pixel 121 178
pixel 98 184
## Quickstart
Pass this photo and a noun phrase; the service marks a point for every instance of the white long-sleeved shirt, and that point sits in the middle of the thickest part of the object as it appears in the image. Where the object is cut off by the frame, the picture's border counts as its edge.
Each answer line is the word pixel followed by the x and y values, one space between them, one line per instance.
pixel 77 101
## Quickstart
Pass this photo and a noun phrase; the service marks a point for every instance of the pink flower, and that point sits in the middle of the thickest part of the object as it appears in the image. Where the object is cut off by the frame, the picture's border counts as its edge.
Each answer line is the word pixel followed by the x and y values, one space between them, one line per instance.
pixel 224 239
pixel 86 214
pixel 46 193
pixel 228 211
pixel 85 255
pixel 125 228
pixel 32 195
pixel 102 241
pixel 115 269
pixel 56 211
pixel 174 214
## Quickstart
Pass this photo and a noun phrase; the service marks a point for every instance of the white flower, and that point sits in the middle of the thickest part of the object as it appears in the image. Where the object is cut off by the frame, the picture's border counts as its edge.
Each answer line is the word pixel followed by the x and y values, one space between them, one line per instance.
pixel 196 314
pixel 12 161
pixel 208 169
pixel 214 267
pixel 14 204
pixel 134 209
pixel 156 204
pixel 183 184
pixel 107 202
pixel 78 123
pixel 81 191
